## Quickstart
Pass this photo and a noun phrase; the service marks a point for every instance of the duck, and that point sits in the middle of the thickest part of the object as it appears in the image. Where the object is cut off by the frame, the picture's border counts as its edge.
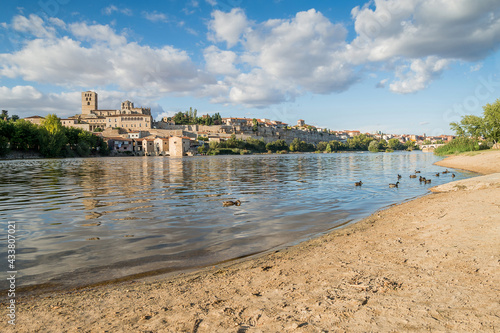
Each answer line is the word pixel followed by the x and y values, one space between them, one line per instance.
pixel 422 179
pixel 358 183
pixel 399 176
pixel 394 185
pixel 427 181
pixel 452 175
pixel 437 174
pixel 231 203
pixel 413 176
pixel 445 171
pixel 417 171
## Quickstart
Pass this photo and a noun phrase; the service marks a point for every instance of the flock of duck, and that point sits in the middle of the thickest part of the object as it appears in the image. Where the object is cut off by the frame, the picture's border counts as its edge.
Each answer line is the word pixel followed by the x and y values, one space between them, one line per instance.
pixel 421 179
pixel 392 185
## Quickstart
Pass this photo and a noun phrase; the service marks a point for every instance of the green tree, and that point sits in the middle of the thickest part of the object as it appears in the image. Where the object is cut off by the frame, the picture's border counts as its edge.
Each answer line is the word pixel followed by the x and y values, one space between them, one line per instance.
pixel 394 144
pixel 255 125
pixel 4 115
pixel 469 125
pixel 52 137
pixel 382 144
pixel 492 121
pixel 7 129
pixel 253 144
pixel 217 119
pixel 4 145
pixel 321 146
pixel 336 145
pixel 277 145
pixel 373 146
pixel 410 145
pixel 359 142
pixel 25 135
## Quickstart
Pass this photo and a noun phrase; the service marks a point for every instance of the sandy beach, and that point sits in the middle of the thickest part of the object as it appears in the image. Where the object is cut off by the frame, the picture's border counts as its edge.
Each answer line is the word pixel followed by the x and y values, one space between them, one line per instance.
pixel 430 264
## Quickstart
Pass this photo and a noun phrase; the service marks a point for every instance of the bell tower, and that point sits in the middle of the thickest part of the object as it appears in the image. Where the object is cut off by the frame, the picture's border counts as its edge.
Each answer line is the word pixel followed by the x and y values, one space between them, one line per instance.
pixel 89 102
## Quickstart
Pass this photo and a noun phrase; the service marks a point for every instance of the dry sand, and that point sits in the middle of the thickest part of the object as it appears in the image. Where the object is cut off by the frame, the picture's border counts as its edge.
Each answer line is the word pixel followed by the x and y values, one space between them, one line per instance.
pixel 431 264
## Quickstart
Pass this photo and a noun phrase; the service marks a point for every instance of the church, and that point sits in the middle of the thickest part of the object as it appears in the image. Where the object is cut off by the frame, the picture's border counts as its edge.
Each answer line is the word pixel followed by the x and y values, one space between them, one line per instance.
pixel 91 118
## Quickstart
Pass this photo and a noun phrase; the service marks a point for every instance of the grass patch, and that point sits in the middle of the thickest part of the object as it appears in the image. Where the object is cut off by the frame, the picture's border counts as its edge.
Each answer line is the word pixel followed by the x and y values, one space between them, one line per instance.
pixel 460 145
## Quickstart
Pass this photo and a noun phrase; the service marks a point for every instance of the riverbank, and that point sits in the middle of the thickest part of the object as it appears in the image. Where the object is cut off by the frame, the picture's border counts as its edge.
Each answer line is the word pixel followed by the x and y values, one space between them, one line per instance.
pixel 427 264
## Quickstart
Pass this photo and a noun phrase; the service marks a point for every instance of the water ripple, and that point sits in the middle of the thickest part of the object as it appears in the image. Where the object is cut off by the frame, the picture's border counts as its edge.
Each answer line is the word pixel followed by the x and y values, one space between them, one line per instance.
pixel 76 218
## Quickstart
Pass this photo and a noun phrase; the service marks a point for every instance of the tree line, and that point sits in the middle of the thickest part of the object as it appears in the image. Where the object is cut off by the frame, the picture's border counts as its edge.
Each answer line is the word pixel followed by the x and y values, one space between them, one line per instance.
pixel 191 118
pixel 50 139
pixel 475 132
pixel 360 142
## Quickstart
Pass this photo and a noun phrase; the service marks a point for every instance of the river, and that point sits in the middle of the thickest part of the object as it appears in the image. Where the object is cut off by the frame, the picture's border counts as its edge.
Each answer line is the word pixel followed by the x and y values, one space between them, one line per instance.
pixel 83 221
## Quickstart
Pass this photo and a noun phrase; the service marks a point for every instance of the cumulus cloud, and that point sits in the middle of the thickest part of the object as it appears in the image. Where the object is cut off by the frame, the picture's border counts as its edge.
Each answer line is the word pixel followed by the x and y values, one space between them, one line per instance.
pixel 258 64
pixel 429 34
pixel 33 25
pixel 22 100
pixel 97 32
pixel 287 57
pixel 109 59
pixel 418 74
pixel 228 27
pixel 220 62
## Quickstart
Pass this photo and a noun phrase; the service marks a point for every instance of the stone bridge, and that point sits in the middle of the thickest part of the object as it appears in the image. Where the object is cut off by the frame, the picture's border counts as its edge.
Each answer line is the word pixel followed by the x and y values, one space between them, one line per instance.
pixel 431 147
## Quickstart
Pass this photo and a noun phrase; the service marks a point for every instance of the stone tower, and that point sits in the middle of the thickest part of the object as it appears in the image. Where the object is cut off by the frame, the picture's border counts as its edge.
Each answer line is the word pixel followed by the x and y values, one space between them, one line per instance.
pixel 89 102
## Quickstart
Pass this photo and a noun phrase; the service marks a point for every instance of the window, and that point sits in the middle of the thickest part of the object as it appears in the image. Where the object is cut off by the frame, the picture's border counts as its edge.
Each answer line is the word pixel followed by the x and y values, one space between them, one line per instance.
pixel 88 103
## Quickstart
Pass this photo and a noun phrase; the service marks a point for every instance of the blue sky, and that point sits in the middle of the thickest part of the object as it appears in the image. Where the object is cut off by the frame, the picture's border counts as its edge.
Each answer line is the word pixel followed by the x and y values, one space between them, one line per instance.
pixel 394 66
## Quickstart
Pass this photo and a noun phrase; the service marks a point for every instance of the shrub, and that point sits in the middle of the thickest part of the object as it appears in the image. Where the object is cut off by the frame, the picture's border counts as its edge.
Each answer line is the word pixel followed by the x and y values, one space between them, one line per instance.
pixel 459 145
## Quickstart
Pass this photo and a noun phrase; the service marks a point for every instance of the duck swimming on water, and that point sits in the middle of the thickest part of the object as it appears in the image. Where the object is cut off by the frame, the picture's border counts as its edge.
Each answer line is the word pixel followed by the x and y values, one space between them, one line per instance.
pixel 358 183
pixel 231 203
pixel 394 185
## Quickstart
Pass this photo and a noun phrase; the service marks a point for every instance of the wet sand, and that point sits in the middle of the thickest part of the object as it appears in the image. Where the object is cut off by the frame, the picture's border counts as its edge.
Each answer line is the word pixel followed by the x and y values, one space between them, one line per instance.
pixel 430 264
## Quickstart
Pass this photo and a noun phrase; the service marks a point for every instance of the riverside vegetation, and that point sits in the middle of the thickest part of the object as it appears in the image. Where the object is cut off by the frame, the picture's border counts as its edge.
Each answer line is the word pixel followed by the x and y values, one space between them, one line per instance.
pixel 360 142
pixel 50 139
pixel 474 132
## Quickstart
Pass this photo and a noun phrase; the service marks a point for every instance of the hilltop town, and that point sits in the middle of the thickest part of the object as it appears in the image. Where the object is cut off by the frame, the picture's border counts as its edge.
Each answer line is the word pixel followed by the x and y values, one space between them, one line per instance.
pixel 132 130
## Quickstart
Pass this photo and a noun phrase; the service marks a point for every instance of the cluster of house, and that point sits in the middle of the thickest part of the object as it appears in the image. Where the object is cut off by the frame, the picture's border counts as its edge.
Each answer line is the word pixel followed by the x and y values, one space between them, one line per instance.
pixel 132 130
pixel 125 130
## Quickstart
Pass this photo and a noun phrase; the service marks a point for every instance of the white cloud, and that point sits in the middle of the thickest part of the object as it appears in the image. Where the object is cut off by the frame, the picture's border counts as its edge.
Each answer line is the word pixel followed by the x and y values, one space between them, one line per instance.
pixel 286 57
pixel 458 29
pixel 96 32
pixel 22 100
pixel 112 9
pixel 476 67
pixel 108 60
pixel 155 16
pixel 228 27
pixel 259 89
pixel 33 25
pixel 418 75
pixel 382 83
pixel 220 62
pixel 262 63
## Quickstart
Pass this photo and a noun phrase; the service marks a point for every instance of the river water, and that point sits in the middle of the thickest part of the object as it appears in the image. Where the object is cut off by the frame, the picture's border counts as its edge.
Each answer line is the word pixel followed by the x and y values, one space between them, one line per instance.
pixel 83 221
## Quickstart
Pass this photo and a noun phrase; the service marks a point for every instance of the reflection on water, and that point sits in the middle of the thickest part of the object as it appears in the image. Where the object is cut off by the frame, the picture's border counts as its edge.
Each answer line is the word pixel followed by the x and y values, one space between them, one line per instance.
pixel 88 220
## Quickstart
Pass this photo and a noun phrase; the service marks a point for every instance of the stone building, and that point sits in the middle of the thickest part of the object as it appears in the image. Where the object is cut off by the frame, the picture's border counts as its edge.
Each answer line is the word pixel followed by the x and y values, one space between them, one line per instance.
pixel 148 146
pixel 128 116
pixel 178 146
pixel 37 120
pixel 161 146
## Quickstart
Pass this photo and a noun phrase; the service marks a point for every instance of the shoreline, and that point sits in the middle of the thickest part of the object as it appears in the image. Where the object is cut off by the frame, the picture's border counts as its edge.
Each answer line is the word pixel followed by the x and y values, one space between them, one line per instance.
pixel 426 264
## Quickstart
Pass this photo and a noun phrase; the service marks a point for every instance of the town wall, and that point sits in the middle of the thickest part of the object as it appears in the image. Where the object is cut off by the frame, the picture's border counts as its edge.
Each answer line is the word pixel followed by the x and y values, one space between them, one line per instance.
pixel 268 134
